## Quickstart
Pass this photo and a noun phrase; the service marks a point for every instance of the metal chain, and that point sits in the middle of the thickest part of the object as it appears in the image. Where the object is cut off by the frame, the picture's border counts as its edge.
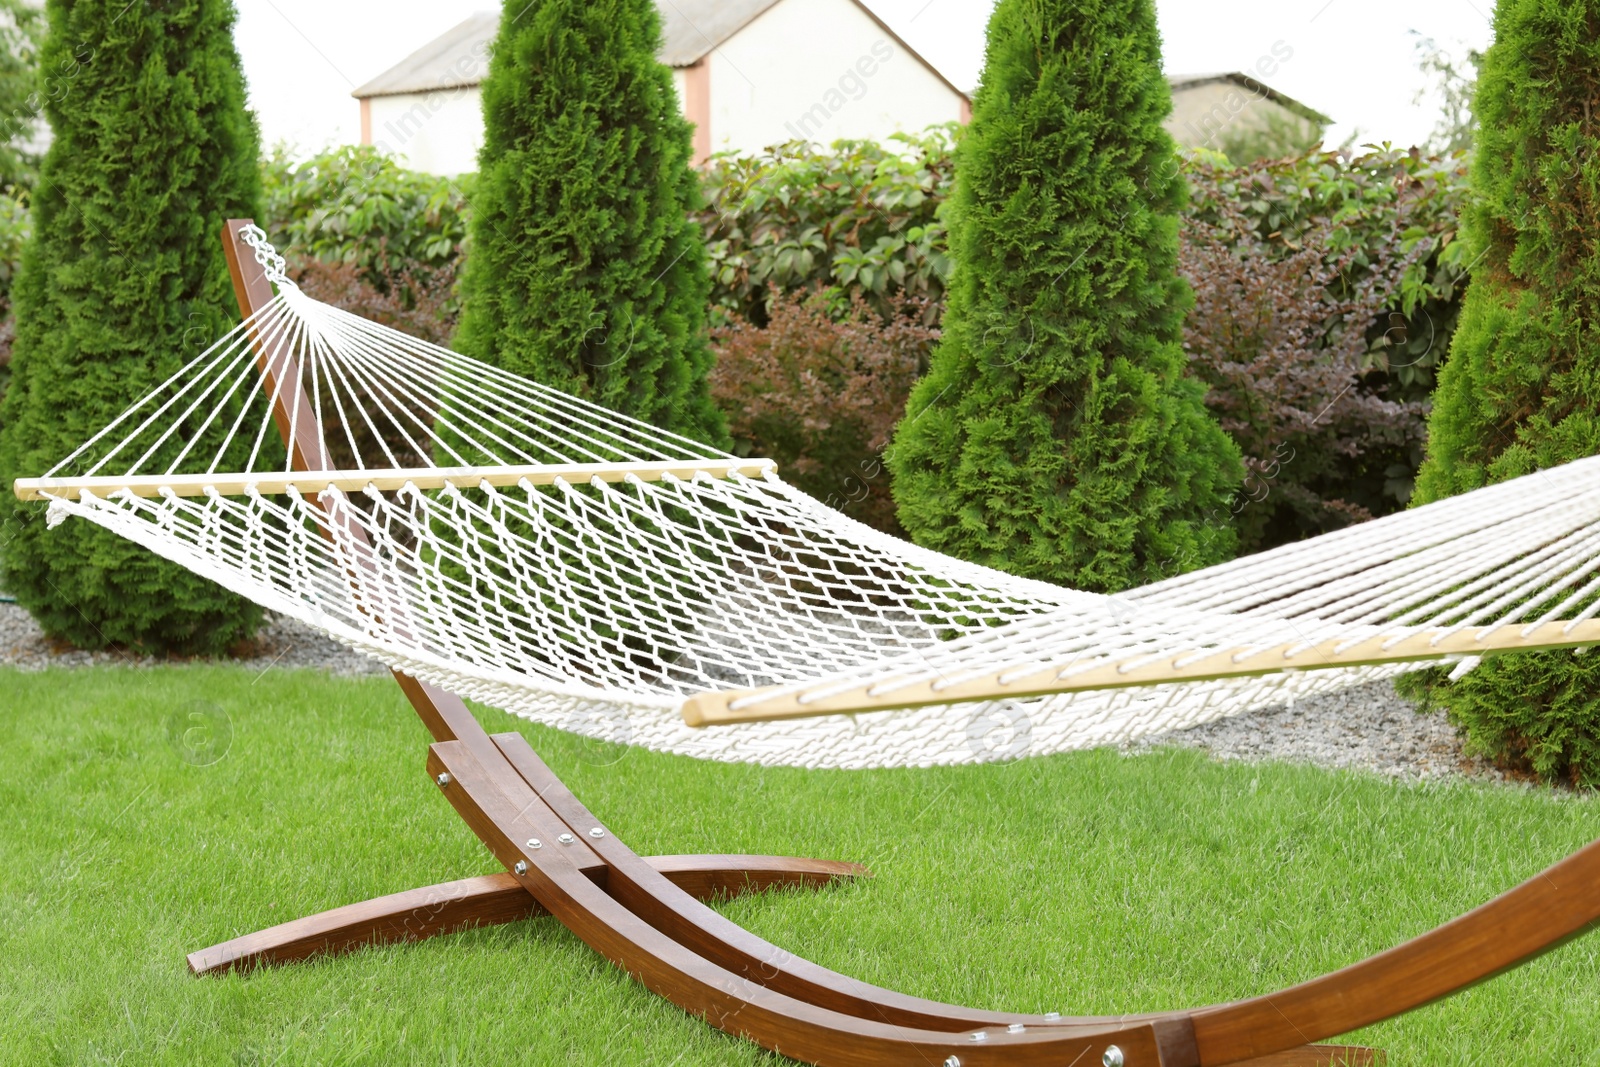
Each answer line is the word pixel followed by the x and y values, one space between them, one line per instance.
pixel 275 266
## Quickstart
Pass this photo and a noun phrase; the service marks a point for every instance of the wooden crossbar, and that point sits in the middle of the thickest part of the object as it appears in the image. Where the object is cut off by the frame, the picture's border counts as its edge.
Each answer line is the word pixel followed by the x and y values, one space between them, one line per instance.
pixel 1198 665
pixel 313 482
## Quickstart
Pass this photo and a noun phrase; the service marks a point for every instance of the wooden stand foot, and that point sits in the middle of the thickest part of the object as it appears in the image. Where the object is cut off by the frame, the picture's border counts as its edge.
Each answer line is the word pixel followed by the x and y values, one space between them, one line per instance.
pixel 490 900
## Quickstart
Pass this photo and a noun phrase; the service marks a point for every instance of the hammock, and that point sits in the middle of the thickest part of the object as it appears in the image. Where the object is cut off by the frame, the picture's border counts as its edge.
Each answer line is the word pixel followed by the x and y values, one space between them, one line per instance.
pixel 585 570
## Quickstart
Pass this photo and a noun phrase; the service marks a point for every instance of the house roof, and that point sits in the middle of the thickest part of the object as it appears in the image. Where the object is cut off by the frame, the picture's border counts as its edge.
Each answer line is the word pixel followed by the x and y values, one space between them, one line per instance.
pixel 690 30
pixel 1194 81
pixel 439 64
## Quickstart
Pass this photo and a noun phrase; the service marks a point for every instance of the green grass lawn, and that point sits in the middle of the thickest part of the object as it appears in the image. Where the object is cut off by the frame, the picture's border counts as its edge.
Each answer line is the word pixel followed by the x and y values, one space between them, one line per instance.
pixel 1089 882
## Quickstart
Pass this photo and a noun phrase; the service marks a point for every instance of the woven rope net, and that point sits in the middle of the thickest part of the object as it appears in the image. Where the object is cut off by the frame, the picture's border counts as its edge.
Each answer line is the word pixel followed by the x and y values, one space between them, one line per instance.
pixel 544 555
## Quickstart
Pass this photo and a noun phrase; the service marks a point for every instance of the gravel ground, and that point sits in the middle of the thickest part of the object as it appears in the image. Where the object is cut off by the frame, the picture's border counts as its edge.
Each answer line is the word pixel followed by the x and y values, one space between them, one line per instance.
pixel 1368 727
pixel 281 643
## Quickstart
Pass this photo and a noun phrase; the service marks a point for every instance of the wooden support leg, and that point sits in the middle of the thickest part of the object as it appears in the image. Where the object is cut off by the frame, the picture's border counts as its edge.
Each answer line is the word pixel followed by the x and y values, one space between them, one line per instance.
pixel 510 817
pixel 490 900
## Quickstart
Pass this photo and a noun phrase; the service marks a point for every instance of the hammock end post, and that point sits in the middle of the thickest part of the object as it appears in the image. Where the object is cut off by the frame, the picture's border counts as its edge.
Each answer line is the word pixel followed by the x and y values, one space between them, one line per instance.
pixel 698 709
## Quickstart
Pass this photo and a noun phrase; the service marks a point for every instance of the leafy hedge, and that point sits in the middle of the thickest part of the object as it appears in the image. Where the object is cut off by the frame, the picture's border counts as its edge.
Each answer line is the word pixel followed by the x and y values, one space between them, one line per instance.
pixel 861 216
pixel 1359 205
pixel 357 205
pixel 1379 228
pixel 820 389
pixel 1324 290
pixel 867 216
pixel 866 219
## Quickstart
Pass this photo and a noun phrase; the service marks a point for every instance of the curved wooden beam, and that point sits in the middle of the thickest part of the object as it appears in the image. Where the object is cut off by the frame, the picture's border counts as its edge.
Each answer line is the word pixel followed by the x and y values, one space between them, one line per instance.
pixel 490 900
pixel 740 1006
pixel 651 896
pixel 1546 911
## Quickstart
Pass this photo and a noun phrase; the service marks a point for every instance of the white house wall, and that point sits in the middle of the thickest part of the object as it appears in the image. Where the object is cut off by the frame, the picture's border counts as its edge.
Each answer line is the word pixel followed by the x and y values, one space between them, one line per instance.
pixel 820 71
pixel 1206 115
pixel 438 132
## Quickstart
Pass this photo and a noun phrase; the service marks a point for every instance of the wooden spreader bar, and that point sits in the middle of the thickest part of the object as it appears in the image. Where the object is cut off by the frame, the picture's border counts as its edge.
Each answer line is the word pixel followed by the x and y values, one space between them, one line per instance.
pixel 310 483
pixel 491 900
pixel 648 916
pixel 1198 665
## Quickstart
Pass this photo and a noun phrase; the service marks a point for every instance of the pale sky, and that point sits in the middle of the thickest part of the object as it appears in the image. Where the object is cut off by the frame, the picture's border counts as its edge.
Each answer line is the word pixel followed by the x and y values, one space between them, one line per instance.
pixel 1352 59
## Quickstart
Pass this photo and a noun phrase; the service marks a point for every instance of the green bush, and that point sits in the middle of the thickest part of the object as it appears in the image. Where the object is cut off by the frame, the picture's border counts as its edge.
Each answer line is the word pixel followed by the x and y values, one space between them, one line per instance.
pixel 859 216
pixel 1519 392
pixel 819 388
pixel 1056 435
pixel 1377 232
pixel 153 149
pixel 356 205
pixel 585 271
pixel 1322 289
pixel 364 233
pixel 1360 208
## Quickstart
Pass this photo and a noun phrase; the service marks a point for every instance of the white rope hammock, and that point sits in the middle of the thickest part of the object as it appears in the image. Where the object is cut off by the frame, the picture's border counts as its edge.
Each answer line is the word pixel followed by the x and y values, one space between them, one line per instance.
pixel 536 552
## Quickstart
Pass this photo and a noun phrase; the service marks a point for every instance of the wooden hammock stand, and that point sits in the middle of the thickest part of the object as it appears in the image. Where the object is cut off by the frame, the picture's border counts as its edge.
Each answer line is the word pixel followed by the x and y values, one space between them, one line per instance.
pixel 647 915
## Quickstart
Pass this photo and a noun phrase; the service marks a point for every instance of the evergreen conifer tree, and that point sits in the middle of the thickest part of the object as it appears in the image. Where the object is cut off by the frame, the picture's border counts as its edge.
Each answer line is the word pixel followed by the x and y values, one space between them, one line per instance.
pixel 584 271
pixel 122 282
pixel 1055 435
pixel 1521 389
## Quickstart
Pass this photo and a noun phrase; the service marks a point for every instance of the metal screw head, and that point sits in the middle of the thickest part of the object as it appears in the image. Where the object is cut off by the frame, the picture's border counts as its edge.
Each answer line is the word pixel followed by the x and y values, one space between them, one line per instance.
pixel 566 839
pixel 597 833
pixel 1015 1028
pixel 1052 1015
pixel 443 780
pixel 952 1061
pixel 522 868
pixel 534 842
pixel 981 1035
pixel 1113 1057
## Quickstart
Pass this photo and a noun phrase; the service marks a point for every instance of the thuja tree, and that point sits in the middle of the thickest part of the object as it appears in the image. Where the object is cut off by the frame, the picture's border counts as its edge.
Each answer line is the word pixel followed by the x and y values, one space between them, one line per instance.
pixel 1055 435
pixel 123 273
pixel 584 270
pixel 1519 391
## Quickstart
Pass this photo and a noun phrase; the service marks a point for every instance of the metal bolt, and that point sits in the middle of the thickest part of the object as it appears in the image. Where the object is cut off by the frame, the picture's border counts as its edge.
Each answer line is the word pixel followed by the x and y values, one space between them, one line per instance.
pixel 597 833
pixel 534 842
pixel 1015 1028
pixel 980 1036
pixel 522 868
pixel 1052 1016
pixel 952 1061
pixel 1113 1057
pixel 566 839
pixel 443 780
